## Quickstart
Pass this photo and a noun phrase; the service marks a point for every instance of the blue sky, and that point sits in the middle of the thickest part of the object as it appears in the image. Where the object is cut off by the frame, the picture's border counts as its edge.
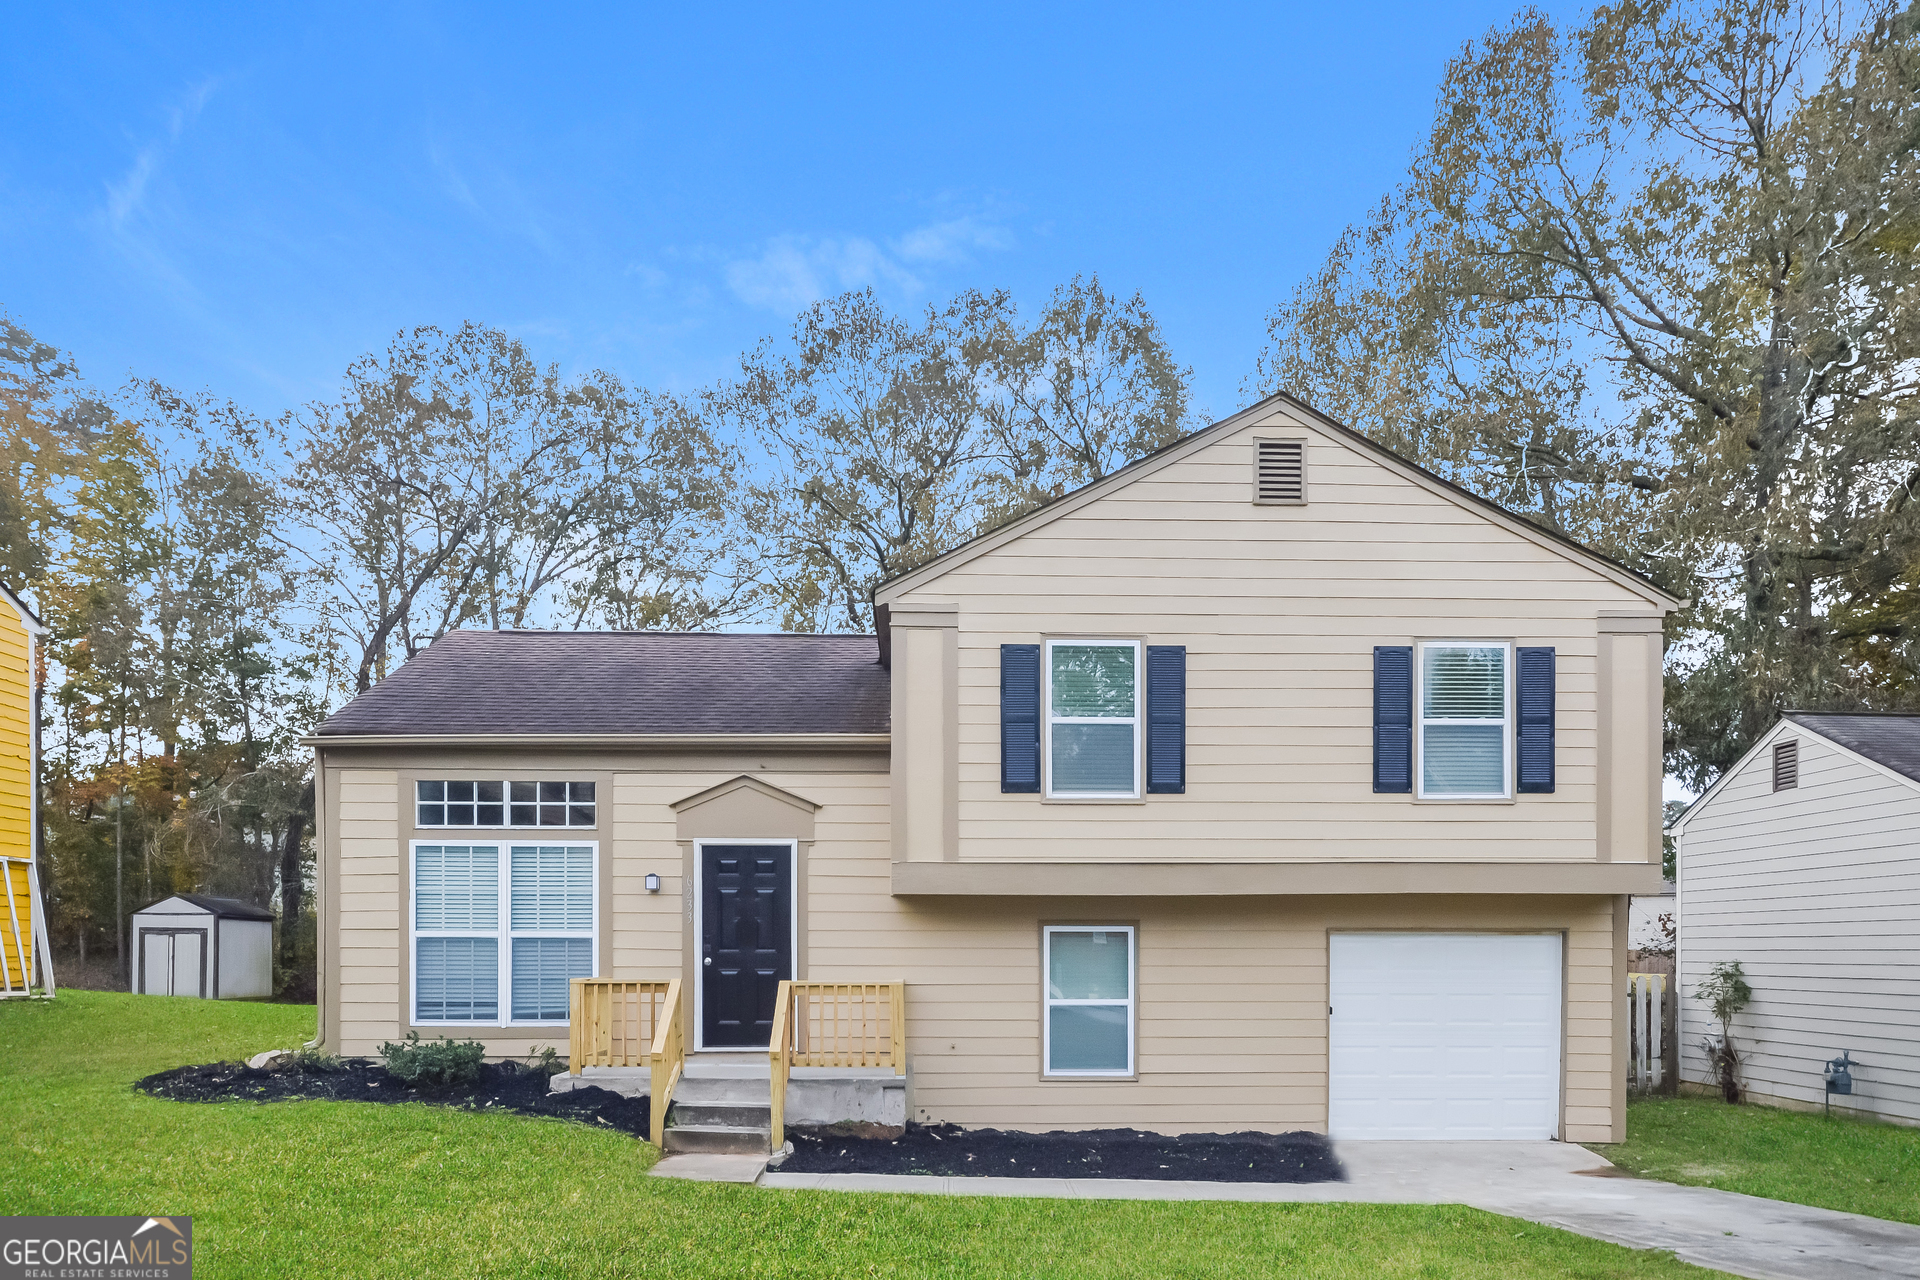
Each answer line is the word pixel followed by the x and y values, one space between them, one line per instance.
pixel 246 198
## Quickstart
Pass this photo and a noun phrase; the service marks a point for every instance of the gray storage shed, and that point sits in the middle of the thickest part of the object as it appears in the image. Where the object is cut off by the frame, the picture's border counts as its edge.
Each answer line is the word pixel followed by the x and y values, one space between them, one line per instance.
pixel 194 945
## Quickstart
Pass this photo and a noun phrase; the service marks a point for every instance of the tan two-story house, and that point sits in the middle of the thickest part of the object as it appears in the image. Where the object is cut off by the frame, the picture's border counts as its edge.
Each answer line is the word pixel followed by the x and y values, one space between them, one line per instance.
pixel 1268 783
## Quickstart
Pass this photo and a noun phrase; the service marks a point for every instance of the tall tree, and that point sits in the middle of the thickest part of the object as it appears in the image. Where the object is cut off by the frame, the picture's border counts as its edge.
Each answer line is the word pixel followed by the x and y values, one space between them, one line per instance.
pixel 49 420
pixel 877 444
pixel 1088 388
pixel 1653 282
pixel 459 482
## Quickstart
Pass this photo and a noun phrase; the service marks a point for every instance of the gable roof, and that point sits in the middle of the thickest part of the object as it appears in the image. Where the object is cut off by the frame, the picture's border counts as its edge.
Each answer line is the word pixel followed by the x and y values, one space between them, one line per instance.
pixel 1888 741
pixel 225 908
pixel 28 618
pixel 1887 738
pixel 626 682
pixel 1145 466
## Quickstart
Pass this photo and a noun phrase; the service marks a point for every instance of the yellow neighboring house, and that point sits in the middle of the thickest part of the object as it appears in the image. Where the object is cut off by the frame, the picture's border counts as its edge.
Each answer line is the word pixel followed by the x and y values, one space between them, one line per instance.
pixel 23 925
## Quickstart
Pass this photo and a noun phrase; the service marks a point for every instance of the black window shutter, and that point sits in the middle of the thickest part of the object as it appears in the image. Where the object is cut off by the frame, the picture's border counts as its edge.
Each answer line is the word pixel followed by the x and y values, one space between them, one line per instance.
pixel 1533 688
pixel 1393 718
pixel 1019 717
pixel 1166 719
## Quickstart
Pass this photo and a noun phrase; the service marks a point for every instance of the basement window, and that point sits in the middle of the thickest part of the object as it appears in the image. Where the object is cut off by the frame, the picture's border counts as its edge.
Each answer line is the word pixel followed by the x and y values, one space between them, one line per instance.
pixel 1089 1000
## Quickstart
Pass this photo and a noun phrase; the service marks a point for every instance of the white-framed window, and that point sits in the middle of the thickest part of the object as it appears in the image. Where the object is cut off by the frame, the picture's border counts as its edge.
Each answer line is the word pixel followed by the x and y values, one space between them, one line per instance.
pixel 1087 997
pixel 1464 699
pixel 1092 745
pixel 490 802
pixel 500 929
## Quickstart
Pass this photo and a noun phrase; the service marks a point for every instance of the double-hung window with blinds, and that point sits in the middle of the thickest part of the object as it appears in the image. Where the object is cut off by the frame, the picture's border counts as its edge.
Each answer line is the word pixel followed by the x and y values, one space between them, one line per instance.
pixel 1093 744
pixel 500 930
pixel 1463 719
pixel 1464 699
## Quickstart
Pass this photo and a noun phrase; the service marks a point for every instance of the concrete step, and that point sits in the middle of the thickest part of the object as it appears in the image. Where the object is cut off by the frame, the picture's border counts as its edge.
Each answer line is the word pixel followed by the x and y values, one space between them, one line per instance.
pixel 731 1115
pixel 723 1089
pixel 743 1066
pixel 717 1140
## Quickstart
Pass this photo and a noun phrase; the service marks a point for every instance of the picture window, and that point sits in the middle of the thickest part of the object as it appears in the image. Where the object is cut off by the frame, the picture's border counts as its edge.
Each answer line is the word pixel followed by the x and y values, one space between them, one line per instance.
pixel 468 950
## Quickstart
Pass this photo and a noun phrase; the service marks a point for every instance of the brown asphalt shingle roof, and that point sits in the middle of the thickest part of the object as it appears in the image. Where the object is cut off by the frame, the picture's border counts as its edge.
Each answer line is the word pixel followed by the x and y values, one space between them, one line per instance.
pixel 618 682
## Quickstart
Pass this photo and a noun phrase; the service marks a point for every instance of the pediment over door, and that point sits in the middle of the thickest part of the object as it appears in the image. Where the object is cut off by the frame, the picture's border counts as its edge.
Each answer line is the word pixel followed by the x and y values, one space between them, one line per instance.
pixel 744 808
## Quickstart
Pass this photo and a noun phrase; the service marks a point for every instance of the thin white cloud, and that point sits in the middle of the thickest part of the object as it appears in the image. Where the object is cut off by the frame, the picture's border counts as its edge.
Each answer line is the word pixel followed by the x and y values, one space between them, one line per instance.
pixel 127 197
pixel 792 271
pixel 950 241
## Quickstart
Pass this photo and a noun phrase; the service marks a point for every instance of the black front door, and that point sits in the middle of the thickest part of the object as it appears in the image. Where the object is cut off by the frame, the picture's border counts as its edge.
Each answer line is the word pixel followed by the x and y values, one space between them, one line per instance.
pixel 746 913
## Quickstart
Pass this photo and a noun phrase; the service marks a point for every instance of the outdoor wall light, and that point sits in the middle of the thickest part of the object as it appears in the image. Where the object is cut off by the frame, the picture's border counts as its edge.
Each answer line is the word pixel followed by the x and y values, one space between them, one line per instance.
pixel 653 882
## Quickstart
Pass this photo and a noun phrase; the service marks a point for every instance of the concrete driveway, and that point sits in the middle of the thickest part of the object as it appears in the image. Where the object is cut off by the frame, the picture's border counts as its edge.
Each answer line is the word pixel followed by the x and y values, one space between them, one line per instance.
pixel 1553 1183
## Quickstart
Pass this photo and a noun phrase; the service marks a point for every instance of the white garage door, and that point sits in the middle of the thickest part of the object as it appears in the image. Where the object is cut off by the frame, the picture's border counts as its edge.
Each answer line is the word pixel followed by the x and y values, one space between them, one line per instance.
pixel 1444 1035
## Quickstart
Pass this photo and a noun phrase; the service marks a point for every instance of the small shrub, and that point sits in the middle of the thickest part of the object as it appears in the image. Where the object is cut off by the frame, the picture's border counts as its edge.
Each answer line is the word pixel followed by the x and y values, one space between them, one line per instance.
pixel 546 1060
pixel 433 1062
pixel 308 1058
pixel 1726 991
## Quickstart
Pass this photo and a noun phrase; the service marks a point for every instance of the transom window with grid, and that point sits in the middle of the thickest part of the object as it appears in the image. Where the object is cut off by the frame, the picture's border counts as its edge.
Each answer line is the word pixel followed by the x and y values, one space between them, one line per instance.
pixel 491 918
pixel 488 803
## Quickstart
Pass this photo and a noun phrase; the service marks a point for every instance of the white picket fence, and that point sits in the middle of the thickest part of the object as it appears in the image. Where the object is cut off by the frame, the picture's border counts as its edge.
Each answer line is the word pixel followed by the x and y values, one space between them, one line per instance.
pixel 1646 998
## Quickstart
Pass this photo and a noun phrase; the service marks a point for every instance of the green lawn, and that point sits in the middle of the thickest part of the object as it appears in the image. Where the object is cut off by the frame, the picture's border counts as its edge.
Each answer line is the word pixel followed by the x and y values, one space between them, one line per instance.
pixel 1853 1165
pixel 353 1189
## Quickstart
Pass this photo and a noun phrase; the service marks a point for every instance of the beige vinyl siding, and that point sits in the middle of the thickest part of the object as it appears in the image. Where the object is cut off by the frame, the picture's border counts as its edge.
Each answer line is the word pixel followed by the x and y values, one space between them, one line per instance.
pixel 1279 608
pixel 366 973
pixel 1816 891
pixel 1232 992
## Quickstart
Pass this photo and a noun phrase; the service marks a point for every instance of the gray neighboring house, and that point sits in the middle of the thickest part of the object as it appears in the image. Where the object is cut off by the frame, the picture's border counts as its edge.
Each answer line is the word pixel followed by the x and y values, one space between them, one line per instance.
pixel 1801 862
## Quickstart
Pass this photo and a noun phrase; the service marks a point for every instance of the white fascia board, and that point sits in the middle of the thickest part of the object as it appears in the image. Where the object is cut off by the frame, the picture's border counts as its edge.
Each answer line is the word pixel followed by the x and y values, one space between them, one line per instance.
pixel 28 618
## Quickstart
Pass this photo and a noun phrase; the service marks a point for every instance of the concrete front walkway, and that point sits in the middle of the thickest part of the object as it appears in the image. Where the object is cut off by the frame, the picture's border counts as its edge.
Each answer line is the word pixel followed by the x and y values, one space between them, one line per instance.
pixel 1557 1184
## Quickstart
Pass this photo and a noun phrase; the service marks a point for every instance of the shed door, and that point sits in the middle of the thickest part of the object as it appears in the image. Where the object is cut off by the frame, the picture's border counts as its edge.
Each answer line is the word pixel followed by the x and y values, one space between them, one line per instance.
pixel 173 962
pixel 156 962
pixel 189 973
pixel 1436 1035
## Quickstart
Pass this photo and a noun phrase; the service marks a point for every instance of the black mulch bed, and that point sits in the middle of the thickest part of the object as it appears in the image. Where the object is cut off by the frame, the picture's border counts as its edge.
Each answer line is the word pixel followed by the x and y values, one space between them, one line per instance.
pixel 502 1086
pixel 947 1150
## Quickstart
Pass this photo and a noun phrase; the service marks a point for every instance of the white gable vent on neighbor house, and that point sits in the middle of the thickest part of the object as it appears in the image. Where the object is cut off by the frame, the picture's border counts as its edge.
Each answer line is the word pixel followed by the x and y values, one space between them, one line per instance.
pixel 1280 472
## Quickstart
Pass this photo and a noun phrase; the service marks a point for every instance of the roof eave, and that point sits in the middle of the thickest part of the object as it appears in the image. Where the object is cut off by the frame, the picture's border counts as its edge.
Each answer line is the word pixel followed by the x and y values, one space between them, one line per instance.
pixel 591 740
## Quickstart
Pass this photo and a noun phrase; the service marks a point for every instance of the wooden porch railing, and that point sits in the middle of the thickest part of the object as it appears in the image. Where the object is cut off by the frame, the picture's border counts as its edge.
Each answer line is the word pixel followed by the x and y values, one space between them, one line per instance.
pixel 834 1024
pixel 669 1058
pixel 614 1022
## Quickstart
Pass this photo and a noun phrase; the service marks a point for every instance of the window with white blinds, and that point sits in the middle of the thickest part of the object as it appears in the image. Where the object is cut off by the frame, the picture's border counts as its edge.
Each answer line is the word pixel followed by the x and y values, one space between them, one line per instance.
pixel 1465 703
pixel 472 942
